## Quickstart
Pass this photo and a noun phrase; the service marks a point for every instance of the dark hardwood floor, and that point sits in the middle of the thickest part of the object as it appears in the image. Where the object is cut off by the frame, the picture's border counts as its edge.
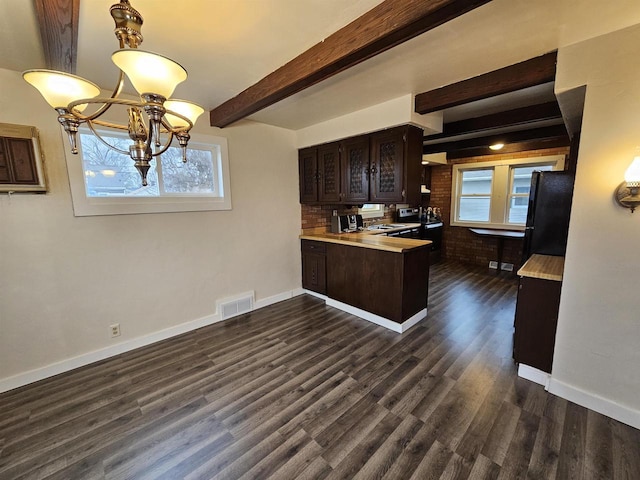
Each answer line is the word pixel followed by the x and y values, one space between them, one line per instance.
pixel 299 390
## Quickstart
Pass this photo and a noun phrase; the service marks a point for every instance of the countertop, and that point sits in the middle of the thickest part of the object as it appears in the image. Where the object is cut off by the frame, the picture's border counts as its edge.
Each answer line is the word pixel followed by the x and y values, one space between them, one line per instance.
pixel 546 267
pixel 371 239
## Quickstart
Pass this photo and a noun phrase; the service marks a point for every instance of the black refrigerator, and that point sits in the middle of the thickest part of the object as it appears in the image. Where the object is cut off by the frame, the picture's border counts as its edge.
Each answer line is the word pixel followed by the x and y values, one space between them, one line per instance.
pixel 548 214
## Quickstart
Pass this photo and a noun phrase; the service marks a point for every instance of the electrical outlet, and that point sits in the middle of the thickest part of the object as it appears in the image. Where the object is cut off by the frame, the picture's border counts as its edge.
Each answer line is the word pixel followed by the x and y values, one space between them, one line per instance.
pixel 507 267
pixel 115 330
pixel 493 264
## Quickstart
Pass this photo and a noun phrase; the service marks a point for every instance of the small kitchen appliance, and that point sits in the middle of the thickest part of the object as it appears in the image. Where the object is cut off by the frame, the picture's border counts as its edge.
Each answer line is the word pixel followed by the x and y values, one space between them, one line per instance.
pixel 346 223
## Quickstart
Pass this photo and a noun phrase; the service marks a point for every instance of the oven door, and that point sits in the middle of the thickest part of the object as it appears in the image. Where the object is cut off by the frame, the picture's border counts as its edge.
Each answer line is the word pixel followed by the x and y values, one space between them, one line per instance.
pixel 409 233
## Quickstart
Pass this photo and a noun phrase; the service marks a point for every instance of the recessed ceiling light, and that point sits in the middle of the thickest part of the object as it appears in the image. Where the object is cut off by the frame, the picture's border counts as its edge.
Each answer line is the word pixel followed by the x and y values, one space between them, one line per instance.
pixel 496 146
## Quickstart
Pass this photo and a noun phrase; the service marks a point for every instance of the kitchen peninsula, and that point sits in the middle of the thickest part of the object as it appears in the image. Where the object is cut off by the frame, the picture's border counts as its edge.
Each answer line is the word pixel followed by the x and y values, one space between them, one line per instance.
pixel 379 278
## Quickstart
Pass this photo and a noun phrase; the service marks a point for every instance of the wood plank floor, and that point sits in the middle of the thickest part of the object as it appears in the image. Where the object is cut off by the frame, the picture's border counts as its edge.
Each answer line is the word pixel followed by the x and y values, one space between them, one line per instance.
pixel 299 390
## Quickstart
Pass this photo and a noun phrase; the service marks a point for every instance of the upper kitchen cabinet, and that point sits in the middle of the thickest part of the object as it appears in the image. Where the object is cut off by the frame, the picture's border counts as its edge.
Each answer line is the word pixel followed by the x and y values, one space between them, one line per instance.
pixel 387 166
pixel 308 170
pixel 355 157
pixel 383 167
pixel 329 190
pixel 319 169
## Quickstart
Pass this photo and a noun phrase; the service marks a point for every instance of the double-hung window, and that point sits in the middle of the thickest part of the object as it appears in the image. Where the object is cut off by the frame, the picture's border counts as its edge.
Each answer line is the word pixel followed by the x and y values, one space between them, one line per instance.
pixel 105 182
pixel 496 194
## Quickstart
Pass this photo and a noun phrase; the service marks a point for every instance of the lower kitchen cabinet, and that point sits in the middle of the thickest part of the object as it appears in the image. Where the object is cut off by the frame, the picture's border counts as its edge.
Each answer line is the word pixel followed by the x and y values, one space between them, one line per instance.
pixel 536 321
pixel 391 284
pixel 314 266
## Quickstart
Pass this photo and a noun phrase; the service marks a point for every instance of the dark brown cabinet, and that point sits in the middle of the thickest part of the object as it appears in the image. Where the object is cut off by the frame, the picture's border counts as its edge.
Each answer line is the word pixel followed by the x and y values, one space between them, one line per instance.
pixel 536 321
pixel 355 155
pixel 383 167
pixel 308 170
pixel 387 166
pixel 320 174
pixel 329 187
pixel 393 285
pixel 314 266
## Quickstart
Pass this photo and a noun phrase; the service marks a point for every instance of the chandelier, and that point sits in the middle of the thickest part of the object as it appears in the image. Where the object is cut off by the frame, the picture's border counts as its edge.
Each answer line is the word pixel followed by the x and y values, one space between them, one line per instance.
pixel 153 121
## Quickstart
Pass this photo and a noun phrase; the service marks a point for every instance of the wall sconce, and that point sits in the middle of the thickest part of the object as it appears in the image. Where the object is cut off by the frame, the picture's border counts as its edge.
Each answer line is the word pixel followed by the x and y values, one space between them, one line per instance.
pixel 627 194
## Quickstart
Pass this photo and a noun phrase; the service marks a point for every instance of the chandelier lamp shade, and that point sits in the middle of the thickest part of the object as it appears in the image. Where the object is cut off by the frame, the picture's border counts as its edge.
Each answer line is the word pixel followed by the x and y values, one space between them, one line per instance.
pixel 153 121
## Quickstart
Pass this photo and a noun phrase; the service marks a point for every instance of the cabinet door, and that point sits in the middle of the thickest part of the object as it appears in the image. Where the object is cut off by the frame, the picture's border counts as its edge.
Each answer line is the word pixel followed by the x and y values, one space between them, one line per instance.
pixel 387 166
pixel 355 167
pixel 536 321
pixel 308 170
pixel 329 173
pixel 314 266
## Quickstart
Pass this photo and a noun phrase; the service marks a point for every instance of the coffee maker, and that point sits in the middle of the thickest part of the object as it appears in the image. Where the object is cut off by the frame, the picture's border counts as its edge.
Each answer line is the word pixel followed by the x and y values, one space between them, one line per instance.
pixel 347 223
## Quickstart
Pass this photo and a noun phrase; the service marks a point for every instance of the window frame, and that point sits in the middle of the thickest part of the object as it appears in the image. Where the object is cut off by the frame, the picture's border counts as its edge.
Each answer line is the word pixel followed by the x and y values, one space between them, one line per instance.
pixel 502 185
pixel 84 205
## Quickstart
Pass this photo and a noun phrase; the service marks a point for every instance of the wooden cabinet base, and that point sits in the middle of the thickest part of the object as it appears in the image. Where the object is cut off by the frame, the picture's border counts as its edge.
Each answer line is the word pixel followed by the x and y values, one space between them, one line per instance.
pixel 536 321
pixel 391 285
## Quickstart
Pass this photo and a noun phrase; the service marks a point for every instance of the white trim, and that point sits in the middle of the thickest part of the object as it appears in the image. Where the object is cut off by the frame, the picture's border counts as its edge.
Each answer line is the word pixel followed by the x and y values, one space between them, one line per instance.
pixel 372 317
pixel 534 375
pixel 595 402
pixel 72 363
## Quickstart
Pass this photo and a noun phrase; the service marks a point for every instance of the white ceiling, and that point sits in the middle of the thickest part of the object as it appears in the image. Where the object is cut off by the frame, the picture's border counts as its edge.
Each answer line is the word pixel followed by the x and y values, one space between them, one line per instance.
pixel 227 45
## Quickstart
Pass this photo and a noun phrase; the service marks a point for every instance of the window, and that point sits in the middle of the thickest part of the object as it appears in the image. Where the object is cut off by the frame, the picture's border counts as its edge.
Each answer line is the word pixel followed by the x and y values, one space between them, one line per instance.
pixel 105 182
pixel 475 195
pixel 496 194
pixel 371 210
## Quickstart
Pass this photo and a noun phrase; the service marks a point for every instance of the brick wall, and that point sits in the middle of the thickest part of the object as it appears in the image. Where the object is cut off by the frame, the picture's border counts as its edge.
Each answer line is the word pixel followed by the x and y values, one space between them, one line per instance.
pixel 317 218
pixel 458 242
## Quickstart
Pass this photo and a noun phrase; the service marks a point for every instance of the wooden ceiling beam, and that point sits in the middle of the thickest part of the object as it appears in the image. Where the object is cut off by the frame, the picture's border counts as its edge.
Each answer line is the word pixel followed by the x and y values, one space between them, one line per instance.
pixel 390 23
pixel 58 22
pixel 525 146
pixel 555 131
pixel 529 73
pixel 517 117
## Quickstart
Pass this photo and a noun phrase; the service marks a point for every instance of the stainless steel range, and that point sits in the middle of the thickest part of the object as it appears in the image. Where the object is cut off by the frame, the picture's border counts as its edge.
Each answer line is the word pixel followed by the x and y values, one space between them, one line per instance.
pixel 430 228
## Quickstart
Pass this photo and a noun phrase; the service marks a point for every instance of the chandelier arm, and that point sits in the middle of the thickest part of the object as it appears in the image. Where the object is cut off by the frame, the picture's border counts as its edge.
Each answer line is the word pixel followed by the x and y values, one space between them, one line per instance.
pixel 93 130
pixel 103 123
pixel 105 100
pixel 106 105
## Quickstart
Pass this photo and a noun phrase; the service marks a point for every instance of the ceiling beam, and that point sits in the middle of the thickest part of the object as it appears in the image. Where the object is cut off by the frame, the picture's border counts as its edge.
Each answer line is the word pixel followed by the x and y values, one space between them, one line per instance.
pixel 529 73
pixel 58 22
pixel 555 131
pixel 525 146
pixel 390 23
pixel 511 118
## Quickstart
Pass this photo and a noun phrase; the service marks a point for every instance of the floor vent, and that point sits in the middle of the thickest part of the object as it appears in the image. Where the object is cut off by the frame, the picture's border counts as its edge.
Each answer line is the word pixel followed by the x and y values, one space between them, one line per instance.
pixel 238 305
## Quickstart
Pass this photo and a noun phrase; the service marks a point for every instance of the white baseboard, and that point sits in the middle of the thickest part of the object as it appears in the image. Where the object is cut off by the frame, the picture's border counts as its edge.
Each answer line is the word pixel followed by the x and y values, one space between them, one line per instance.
pixel 57 368
pixel 595 402
pixel 535 375
pixel 377 319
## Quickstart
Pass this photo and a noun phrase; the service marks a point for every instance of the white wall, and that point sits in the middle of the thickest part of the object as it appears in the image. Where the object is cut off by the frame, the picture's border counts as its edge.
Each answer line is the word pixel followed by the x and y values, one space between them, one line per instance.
pixel 65 279
pixel 597 353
